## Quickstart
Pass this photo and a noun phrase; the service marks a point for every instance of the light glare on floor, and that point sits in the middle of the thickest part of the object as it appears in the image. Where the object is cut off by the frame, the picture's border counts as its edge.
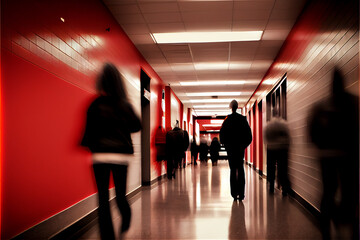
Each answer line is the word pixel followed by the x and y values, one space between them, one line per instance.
pixel 204 37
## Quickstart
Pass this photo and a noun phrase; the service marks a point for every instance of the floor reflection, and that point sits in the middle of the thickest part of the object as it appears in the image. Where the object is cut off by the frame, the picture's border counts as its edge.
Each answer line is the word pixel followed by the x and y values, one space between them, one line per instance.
pixel 198 205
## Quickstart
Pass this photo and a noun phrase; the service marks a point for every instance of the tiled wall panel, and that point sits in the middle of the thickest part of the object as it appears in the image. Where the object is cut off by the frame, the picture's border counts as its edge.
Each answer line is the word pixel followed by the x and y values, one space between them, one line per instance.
pixel 325 36
pixel 58 63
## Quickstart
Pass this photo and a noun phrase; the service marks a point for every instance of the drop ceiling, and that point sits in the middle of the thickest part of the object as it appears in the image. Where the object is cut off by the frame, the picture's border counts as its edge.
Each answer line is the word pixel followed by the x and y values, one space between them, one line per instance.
pixel 247 61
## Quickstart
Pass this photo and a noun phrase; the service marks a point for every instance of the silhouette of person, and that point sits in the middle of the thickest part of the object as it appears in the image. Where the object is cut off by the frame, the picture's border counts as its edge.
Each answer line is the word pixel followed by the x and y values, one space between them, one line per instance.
pixel 110 120
pixel 204 150
pixel 277 138
pixel 334 129
pixel 186 146
pixel 175 142
pixel 235 134
pixel 194 148
pixel 214 150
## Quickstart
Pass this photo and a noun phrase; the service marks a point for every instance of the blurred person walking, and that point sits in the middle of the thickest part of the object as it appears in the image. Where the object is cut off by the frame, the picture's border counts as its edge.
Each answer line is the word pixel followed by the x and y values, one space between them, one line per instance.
pixel 334 129
pixel 204 150
pixel 194 148
pixel 235 134
pixel 175 147
pixel 110 121
pixel 214 150
pixel 277 138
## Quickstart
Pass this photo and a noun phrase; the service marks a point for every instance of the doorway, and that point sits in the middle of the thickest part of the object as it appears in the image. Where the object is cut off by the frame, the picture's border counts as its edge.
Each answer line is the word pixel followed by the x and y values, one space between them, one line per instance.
pixel 145 133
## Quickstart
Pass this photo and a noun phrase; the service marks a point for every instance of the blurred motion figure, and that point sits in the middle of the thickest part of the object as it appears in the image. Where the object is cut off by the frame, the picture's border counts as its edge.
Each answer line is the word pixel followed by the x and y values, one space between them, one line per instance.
pixel 204 150
pixel 177 141
pixel 110 121
pixel 194 148
pixel 334 129
pixel 235 134
pixel 214 150
pixel 277 138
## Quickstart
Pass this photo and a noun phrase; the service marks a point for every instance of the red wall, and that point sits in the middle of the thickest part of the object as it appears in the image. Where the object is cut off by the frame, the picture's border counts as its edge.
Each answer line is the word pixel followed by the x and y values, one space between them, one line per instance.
pixel 48 73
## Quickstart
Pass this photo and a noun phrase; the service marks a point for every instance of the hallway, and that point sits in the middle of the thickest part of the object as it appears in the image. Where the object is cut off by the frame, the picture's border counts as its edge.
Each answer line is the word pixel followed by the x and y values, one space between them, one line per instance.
pixel 198 205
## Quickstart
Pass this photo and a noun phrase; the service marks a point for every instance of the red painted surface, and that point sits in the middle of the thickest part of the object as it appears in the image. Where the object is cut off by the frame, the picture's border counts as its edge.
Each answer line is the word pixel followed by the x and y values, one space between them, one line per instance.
pixel 254 132
pixel 48 73
pixel 167 108
pixel 45 171
pixel 260 135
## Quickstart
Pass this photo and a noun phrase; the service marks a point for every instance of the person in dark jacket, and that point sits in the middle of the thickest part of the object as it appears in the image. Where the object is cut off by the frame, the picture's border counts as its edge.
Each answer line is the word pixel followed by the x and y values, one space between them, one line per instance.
pixel 334 130
pixel 175 142
pixel 110 121
pixel 194 151
pixel 235 134
pixel 214 150
pixel 204 150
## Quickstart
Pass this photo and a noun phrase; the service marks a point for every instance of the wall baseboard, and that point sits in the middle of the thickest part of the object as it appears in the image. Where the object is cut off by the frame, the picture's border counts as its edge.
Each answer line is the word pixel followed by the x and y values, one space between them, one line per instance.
pixel 70 222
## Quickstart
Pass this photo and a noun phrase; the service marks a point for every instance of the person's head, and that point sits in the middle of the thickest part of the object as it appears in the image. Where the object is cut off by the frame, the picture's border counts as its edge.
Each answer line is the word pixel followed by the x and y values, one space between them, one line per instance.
pixel 233 105
pixel 110 82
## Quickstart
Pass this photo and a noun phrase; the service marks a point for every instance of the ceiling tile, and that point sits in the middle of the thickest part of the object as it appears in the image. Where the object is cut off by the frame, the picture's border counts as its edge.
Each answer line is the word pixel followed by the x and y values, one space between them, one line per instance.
pixel 162 17
pixel 205 6
pixel 167 27
pixel 129 19
pixel 219 16
pixel 141 39
pixel 246 25
pixel 135 28
pixel 275 34
pixel 159 7
pixel 125 9
pixel 276 24
pixel 251 15
pixel 253 5
pixel 208 26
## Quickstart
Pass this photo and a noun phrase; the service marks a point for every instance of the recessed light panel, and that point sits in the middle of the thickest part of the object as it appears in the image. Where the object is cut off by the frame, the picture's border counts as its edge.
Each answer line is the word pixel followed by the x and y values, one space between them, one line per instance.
pixel 206 37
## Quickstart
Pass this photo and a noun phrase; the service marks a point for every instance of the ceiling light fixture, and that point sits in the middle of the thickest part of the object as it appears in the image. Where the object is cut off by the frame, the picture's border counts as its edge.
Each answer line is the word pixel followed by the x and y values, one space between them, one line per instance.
pixel 203 37
pixel 206 83
pixel 211 106
pixel 218 100
pixel 213 94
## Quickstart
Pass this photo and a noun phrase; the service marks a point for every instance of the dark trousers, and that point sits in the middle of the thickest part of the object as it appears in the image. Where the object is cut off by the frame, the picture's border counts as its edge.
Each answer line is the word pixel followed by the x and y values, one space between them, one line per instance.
pixel 102 177
pixel 237 174
pixel 279 156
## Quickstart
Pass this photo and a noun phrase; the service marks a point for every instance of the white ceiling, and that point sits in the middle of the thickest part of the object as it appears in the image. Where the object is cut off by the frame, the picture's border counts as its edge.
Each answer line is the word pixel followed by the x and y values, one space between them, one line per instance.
pixel 247 61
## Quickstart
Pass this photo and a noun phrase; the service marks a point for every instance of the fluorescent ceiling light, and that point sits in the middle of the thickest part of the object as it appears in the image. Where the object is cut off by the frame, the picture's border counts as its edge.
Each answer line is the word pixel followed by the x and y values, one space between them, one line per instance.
pixel 216 121
pixel 205 110
pixel 205 83
pixel 212 125
pixel 211 106
pixel 203 37
pixel 213 94
pixel 211 100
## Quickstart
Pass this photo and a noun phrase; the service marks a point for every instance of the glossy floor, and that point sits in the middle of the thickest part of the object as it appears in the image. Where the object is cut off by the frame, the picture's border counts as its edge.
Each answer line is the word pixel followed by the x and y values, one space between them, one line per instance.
pixel 198 205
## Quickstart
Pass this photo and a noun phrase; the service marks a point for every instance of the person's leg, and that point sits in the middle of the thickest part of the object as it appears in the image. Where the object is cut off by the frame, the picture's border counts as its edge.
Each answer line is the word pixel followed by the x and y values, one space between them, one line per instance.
pixel 102 177
pixel 271 169
pixel 120 175
pixel 330 185
pixel 169 167
pixel 241 180
pixel 283 170
pixel 233 176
